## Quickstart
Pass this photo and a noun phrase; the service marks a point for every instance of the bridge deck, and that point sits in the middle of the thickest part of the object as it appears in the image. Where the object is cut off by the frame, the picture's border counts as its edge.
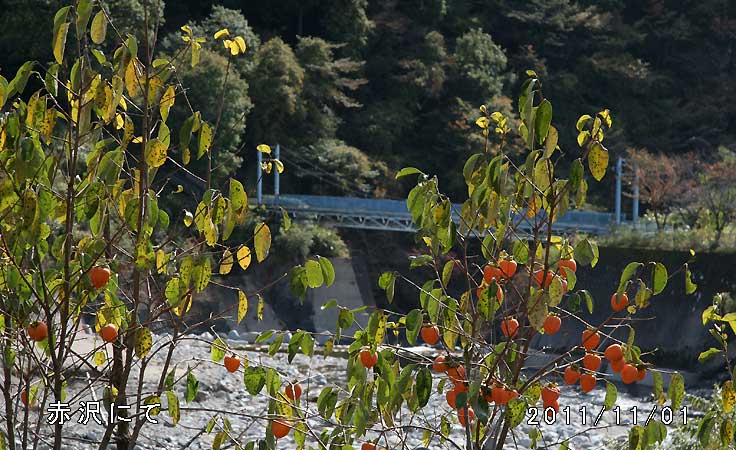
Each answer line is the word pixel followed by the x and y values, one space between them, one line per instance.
pixel 393 215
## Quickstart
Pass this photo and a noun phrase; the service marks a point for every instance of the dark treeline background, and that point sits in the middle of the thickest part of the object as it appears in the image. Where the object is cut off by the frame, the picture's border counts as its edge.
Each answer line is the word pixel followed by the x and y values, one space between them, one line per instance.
pixel 359 88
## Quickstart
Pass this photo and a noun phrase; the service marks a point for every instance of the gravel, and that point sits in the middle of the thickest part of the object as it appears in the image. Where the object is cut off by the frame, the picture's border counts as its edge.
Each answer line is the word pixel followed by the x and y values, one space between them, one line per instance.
pixel 225 392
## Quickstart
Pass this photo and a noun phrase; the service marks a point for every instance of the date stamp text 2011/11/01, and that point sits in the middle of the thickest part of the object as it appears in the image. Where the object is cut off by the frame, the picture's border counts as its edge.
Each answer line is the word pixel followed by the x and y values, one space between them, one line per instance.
pixel 589 417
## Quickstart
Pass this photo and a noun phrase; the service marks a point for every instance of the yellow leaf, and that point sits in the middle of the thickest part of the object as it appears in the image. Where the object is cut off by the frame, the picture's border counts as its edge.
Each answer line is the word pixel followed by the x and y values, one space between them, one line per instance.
pixel 227 262
pixel 221 33
pixel 184 306
pixel 205 139
pixel 132 78
pixel 263 148
pixel 188 218
pixel 598 161
pixel 99 28
pixel 186 29
pixel 483 122
pixel 262 241
pixel 210 231
pixel 279 165
pixel 261 306
pixel 156 153
pixel 244 257
pixel 167 101
pixel 162 259
pixel 242 305
pixel 119 122
pixel 241 43
pixel 60 42
pixel 196 52
pixel 143 342
pixel 728 397
pixel 100 358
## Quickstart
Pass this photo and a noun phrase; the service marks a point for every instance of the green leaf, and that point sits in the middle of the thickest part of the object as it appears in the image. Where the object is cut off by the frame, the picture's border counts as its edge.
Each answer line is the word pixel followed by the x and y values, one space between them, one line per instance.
pixel 676 392
pixel 586 253
pixel 424 386
pixel 708 354
pixel 276 344
pixel 326 402
pixel 542 120
pixel 516 411
pixel 413 325
pixel 690 287
pixel 285 220
pixel 173 406
pixel 328 271
pixel 254 379
pixel 262 241
pixel 192 387
pixel 217 349
pixel 611 395
pixel 406 171
pixel 659 278
pixel 99 28
pixel 387 281
pixel 315 278
pixel 626 275
pixel 588 300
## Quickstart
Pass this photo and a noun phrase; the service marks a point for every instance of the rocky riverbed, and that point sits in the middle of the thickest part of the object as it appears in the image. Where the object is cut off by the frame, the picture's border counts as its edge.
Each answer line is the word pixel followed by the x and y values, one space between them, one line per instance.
pixel 223 392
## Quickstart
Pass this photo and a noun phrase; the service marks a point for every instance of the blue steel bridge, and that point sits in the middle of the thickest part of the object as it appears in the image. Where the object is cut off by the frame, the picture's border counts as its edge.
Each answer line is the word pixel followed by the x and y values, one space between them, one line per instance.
pixel 393 215
pixel 353 211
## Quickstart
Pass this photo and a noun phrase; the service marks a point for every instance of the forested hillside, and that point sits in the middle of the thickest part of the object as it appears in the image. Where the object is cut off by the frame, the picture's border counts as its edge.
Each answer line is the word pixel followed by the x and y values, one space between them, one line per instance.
pixel 359 88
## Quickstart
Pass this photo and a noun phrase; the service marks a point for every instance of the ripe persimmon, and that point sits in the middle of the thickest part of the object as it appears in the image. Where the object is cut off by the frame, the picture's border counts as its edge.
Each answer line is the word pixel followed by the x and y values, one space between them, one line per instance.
pixel 542 280
pixel 508 267
pixel 569 263
pixel 641 373
pixel 491 273
pixel 550 393
pixel 461 415
pixel 456 373
pixel 280 428
pixel 24 397
pixel 591 339
pixel 587 382
pixel 430 334
pixel 499 394
pixel 619 302
pixel 99 276
pixel 439 364
pixel 38 331
pixel 451 397
pixel 109 332
pixel 591 361
pixel 460 387
pixel 572 375
pixel 509 327
pixel 629 374
pixel 552 324
pixel 618 365
pixel 293 391
pixel 614 352
pixel 368 446
pixel 232 363
pixel 368 358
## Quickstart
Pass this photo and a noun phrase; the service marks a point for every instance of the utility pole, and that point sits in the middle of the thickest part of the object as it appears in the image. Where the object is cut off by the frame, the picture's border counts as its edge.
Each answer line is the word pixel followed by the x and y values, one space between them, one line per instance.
pixel 619 170
pixel 635 206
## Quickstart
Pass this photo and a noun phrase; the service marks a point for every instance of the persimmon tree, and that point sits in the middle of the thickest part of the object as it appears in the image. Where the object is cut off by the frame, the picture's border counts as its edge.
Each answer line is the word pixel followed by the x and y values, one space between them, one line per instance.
pixel 84 150
pixel 85 158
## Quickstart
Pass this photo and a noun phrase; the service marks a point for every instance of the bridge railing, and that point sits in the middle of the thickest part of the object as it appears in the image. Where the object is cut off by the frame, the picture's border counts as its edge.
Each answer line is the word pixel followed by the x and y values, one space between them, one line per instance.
pixel 354 212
